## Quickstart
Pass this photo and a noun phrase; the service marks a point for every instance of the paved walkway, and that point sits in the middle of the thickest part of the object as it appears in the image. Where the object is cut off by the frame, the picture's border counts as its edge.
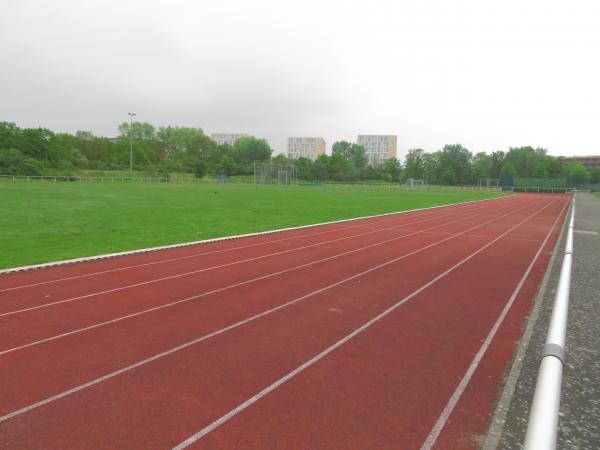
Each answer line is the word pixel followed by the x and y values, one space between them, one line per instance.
pixel 579 426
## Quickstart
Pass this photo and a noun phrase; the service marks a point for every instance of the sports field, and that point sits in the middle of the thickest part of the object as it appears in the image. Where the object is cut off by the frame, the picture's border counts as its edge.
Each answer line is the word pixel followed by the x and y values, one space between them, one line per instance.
pixel 386 332
pixel 55 221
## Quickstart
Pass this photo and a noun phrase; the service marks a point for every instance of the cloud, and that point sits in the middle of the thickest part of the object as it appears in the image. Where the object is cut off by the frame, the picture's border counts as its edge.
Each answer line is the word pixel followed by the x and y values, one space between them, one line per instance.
pixel 432 72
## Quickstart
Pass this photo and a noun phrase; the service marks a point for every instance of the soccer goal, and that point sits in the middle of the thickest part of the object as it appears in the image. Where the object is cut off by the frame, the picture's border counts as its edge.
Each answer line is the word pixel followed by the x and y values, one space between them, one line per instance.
pixel 412 183
pixel 489 183
pixel 271 173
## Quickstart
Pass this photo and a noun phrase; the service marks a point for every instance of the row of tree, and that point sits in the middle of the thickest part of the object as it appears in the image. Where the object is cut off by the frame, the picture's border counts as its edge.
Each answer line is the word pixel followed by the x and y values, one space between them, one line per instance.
pixel 37 151
pixel 163 150
pixel 454 164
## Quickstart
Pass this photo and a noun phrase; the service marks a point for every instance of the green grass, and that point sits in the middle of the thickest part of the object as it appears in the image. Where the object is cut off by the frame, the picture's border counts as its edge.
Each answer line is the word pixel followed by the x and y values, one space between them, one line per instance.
pixel 42 222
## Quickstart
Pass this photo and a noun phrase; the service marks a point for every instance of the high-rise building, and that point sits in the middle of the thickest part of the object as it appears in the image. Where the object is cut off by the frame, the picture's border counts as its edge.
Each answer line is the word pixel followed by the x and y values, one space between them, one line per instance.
pixel 307 147
pixel 226 138
pixel 378 148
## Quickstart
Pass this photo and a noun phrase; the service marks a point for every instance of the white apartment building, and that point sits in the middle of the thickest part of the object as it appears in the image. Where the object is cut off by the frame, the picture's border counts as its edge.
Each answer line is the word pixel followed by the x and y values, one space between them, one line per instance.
pixel 377 147
pixel 307 147
pixel 227 138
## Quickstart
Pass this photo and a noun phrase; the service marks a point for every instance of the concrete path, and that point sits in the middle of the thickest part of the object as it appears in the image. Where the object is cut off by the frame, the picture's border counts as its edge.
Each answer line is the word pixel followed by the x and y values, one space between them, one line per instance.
pixel 579 426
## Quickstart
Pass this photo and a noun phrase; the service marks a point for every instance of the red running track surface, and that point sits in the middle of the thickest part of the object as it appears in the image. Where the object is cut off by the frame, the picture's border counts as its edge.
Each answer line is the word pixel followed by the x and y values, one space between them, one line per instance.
pixel 387 332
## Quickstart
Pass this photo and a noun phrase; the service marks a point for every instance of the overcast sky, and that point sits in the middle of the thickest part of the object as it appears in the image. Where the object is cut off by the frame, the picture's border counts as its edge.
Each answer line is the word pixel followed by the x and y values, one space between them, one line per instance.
pixel 488 75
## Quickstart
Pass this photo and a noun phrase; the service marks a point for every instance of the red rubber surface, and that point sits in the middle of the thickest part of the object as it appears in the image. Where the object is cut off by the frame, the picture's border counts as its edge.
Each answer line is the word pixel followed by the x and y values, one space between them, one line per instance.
pixel 384 388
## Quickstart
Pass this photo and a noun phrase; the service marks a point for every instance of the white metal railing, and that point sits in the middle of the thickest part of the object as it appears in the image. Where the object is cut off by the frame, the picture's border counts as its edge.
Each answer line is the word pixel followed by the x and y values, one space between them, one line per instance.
pixel 71 178
pixel 193 180
pixel 542 428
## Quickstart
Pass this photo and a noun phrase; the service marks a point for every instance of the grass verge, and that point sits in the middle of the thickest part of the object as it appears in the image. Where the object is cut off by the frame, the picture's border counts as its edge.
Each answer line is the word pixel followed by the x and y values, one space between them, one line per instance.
pixel 41 222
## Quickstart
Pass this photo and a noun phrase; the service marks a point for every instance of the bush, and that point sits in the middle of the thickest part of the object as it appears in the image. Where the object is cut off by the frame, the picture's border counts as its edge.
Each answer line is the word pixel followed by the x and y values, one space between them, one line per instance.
pixel 14 162
pixel 10 160
pixel 31 166
pixel 200 169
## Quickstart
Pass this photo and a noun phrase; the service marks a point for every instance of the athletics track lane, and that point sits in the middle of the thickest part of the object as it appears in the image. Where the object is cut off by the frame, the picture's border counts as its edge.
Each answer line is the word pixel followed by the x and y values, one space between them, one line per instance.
pixel 142 336
pixel 22 328
pixel 171 398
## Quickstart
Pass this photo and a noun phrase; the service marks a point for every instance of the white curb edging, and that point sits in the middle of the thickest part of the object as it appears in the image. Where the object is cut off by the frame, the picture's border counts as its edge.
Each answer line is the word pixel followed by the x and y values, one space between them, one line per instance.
pixel 224 238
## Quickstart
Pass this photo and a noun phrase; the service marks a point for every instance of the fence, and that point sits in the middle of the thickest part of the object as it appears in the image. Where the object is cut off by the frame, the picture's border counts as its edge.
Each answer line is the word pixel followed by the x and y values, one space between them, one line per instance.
pixel 557 182
pixel 559 190
pixel 189 180
pixel 543 420
pixel 66 178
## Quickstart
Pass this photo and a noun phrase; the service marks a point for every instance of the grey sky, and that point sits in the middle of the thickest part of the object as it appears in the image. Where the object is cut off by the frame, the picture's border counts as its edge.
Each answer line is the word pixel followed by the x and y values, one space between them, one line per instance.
pixel 485 74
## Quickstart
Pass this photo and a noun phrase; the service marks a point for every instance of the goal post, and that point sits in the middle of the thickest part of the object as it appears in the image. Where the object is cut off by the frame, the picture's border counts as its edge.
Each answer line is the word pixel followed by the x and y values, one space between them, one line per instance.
pixel 273 173
pixel 489 183
pixel 413 183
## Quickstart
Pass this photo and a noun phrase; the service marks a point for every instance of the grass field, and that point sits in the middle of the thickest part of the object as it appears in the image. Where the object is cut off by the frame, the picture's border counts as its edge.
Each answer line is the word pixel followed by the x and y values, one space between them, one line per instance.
pixel 54 221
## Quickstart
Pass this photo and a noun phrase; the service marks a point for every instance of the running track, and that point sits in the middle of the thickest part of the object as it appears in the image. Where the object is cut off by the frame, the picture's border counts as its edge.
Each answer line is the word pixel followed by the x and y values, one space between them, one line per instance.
pixel 386 332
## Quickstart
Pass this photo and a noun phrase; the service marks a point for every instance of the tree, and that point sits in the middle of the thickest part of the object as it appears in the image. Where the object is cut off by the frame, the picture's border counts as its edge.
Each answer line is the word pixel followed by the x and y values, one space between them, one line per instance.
pixel 414 164
pixel 305 168
pixel 595 175
pixel 14 162
pixel 449 176
pixel 35 142
pixel 83 135
pixel 555 167
pixel 507 173
pixel 432 167
pixel 320 167
pixel 227 166
pixel 482 166
pixel 352 152
pixel 248 149
pixel 457 158
pixel 11 160
pixel 526 160
pixel 392 168
pixel 578 174
pixel 200 169
pixel 540 170
pixel 497 158
pixel 9 135
pixel 338 167
pixel 280 159
pixel 140 130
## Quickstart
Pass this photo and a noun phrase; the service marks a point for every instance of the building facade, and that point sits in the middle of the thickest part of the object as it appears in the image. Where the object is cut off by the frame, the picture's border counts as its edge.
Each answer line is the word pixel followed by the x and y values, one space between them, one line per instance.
pixel 227 138
pixel 307 147
pixel 590 162
pixel 378 147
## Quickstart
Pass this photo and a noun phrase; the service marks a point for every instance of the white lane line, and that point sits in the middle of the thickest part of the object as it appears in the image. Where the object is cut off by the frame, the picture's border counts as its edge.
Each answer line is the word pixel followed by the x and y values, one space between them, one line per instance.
pixel 342 227
pixel 218 332
pixel 197 255
pixel 447 411
pixel 228 238
pixel 480 236
pixel 162 261
pixel 252 280
pixel 221 420
pixel 206 269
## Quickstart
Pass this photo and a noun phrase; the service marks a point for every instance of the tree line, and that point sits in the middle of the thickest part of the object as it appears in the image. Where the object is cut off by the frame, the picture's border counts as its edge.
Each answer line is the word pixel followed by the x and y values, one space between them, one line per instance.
pixel 455 165
pixel 164 150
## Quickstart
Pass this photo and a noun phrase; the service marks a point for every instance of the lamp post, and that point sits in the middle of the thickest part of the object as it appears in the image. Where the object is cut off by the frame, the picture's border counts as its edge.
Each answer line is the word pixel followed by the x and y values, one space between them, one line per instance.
pixel 131 145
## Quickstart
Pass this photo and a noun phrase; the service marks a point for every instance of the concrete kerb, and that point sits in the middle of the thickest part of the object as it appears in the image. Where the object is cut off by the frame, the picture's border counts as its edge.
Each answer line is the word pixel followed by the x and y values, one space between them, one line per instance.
pixel 496 428
pixel 224 238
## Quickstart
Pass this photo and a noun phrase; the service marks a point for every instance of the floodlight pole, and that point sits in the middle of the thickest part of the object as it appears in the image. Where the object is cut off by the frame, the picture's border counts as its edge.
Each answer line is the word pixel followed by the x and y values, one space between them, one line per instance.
pixel 131 145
